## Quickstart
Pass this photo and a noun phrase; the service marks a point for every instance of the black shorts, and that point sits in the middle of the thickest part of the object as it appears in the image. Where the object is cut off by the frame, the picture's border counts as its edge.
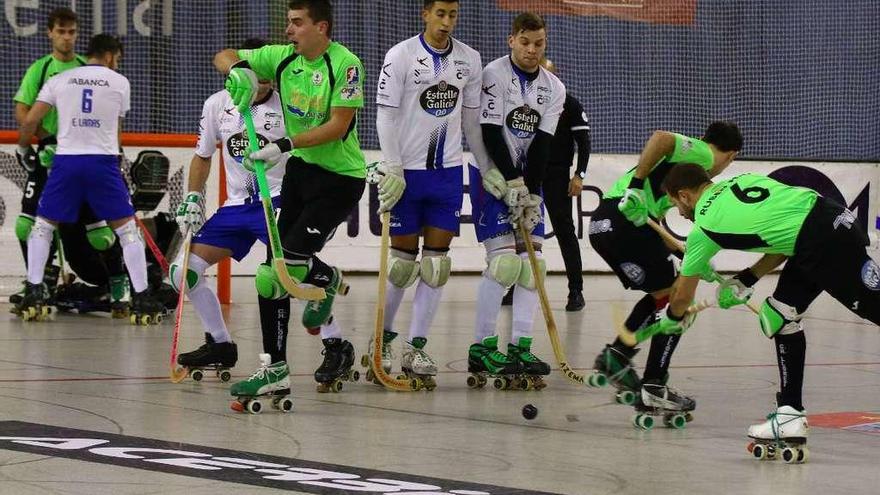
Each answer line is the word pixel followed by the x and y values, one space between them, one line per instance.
pixel 830 256
pixel 314 201
pixel 636 254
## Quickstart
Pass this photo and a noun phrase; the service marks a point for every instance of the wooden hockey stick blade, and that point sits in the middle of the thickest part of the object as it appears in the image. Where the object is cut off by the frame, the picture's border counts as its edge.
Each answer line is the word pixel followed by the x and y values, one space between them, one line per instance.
pixel 151 243
pixel 378 335
pixel 558 350
pixel 293 288
pixel 178 373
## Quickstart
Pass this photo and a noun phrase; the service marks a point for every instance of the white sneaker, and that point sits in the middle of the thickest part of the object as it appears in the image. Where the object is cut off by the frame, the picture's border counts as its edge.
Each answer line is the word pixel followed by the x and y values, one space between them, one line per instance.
pixel 784 424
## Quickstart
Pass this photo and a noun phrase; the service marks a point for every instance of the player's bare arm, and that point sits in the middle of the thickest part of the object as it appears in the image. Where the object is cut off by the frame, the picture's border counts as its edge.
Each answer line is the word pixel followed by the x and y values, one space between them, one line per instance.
pixel 660 144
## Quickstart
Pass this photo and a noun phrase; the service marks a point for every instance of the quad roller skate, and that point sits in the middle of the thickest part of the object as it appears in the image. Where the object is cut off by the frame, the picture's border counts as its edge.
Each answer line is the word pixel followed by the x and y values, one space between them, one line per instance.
pixel 417 365
pixel 615 367
pixel 50 280
pixel 35 304
pixel 81 298
pixel 146 309
pixel 659 399
pixel 784 434
pixel 317 313
pixel 387 356
pixel 120 297
pixel 270 381
pixel 210 356
pixel 485 361
pixel 533 369
pixel 336 368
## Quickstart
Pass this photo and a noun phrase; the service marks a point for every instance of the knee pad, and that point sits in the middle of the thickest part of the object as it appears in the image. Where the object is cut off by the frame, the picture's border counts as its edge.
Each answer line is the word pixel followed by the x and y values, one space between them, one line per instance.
pixel 777 317
pixel 42 230
pixel 267 283
pixel 435 267
pixel 23 226
pixel 100 236
pixel 194 272
pixel 402 268
pixel 129 234
pixel 527 279
pixel 298 267
pixel 504 267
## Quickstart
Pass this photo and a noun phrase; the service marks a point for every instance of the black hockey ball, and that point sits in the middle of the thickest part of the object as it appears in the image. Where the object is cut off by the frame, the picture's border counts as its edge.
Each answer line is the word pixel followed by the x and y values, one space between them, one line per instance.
pixel 529 411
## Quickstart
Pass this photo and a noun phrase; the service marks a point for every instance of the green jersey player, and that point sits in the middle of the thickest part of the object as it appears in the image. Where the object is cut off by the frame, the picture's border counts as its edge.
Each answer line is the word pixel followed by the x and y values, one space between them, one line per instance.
pixel 321 87
pixel 640 258
pixel 825 248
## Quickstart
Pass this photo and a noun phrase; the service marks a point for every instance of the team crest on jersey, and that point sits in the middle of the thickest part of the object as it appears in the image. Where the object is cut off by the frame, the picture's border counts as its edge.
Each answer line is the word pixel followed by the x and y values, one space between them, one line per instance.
pixel 523 122
pixel 440 99
pixel 237 145
pixel 352 75
pixel 317 78
pixel 871 275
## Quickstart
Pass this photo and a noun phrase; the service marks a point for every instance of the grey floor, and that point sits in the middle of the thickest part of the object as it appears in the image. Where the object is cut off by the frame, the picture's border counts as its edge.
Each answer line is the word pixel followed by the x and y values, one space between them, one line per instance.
pixel 91 373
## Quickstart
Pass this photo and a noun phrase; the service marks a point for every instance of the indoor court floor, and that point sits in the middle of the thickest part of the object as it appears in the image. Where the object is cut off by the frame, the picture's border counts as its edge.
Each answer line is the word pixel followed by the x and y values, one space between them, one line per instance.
pixel 86 407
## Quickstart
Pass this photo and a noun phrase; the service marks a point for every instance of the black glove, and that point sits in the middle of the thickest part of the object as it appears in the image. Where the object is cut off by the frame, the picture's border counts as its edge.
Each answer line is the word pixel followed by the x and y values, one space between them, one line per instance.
pixel 27 158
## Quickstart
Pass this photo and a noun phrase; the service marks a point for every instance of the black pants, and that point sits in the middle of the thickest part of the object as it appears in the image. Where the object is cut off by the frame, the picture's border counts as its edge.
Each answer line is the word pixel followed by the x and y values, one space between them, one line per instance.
pixel 558 204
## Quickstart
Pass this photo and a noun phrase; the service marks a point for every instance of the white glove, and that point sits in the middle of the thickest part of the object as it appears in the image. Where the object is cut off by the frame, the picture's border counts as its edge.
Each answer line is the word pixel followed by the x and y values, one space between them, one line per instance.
pixel 531 212
pixel 275 153
pixel 494 183
pixel 189 213
pixel 391 185
pixel 517 193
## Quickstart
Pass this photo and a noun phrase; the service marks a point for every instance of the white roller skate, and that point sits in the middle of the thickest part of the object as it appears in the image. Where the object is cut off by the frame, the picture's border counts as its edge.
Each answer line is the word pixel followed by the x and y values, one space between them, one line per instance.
pixel 387 356
pixel 659 399
pixel 785 432
pixel 417 365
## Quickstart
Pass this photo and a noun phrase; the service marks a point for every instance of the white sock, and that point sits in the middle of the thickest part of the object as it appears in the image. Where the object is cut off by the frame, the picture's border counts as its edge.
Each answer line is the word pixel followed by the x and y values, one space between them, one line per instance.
pixel 525 304
pixel 489 296
pixel 331 330
pixel 38 245
pixel 393 297
pixel 424 308
pixel 133 254
pixel 206 303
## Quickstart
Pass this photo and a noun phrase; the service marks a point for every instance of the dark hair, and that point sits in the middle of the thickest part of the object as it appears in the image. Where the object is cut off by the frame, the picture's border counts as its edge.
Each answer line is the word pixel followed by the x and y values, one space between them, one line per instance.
pixel 724 135
pixel 430 3
pixel 103 43
pixel 59 16
pixel 684 176
pixel 319 11
pixel 253 43
pixel 527 21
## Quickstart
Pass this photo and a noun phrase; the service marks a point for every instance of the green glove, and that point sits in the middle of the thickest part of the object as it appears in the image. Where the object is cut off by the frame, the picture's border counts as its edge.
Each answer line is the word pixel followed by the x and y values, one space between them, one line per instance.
pixel 634 206
pixel 736 290
pixel 666 324
pixel 242 84
pixel 47 155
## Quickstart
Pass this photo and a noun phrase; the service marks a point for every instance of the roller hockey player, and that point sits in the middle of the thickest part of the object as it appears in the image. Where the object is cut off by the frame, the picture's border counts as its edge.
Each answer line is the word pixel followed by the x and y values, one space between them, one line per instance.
pixel 91 101
pixel 232 231
pixel 639 256
pixel 825 248
pixel 429 91
pixel 321 88
pixel 521 105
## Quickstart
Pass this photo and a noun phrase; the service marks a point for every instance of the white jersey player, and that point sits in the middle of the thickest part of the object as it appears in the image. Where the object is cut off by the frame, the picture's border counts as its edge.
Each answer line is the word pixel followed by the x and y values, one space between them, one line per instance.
pixel 236 226
pixel 428 96
pixel 91 102
pixel 521 105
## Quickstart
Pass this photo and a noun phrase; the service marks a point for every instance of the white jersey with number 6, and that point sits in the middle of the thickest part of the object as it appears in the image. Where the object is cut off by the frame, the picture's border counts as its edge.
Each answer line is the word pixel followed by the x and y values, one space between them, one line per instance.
pixel 90 101
pixel 430 87
pixel 222 123
pixel 521 103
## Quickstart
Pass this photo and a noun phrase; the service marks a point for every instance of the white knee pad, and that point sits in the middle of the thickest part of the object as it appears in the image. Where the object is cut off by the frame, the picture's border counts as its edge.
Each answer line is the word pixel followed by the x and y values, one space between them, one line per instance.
pixel 194 272
pixel 527 278
pixel 403 269
pixel 129 234
pixel 42 230
pixel 435 268
pixel 504 267
pixel 779 318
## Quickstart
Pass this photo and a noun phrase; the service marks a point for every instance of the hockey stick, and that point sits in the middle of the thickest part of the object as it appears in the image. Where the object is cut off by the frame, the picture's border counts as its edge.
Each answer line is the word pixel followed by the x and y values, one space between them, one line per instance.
pixel 178 373
pixel 670 239
pixel 558 350
pixel 151 243
pixel 378 335
pixel 632 339
pixel 61 260
pixel 294 289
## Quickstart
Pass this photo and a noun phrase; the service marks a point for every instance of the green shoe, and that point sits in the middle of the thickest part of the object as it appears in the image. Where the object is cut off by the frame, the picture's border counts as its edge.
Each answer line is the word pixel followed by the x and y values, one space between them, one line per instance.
pixel 317 313
pixel 531 364
pixel 618 368
pixel 267 379
pixel 486 358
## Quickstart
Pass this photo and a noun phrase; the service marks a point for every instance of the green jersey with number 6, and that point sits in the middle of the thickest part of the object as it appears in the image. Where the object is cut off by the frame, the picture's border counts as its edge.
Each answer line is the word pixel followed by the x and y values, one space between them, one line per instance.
pixel 687 150
pixel 309 89
pixel 747 213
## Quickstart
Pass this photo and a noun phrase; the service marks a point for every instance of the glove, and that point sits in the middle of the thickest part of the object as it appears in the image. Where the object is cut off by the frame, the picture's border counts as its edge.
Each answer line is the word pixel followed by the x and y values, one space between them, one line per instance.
pixel 634 206
pixel 666 324
pixel 517 192
pixel 189 213
pixel 389 177
pixel 242 84
pixel 709 274
pixel 275 153
pixel 27 158
pixel 736 290
pixel 531 212
pixel 46 150
pixel 494 183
